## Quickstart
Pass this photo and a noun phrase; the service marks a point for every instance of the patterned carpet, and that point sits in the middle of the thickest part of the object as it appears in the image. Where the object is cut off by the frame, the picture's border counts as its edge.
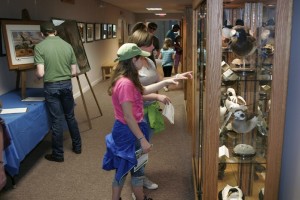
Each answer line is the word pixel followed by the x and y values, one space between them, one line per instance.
pixel 80 177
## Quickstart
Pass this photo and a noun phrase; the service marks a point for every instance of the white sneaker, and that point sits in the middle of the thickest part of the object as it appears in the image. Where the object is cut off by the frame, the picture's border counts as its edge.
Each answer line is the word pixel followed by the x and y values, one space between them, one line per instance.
pixel 149 184
pixel 133 196
pixel 166 89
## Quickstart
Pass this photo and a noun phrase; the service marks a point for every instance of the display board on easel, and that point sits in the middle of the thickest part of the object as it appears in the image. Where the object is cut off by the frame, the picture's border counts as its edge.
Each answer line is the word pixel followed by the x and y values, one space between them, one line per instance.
pixel 20 37
pixel 68 31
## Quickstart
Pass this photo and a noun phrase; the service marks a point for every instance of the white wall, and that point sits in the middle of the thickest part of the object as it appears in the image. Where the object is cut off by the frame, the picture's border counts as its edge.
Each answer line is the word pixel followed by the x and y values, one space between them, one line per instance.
pixel 98 52
pixel 290 171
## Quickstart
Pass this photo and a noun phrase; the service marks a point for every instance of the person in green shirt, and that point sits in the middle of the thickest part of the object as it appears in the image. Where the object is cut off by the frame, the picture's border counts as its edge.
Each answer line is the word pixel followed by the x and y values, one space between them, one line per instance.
pixel 56 63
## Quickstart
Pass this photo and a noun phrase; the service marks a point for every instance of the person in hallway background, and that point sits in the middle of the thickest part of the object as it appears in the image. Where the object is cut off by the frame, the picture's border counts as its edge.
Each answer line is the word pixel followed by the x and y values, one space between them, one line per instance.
pixel 152 27
pixel 138 26
pixel 130 131
pixel 239 22
pixel 178 49
pixel 2 170
pixel 167 54
pixel 4 142
pixel 56 64
pixel 171 33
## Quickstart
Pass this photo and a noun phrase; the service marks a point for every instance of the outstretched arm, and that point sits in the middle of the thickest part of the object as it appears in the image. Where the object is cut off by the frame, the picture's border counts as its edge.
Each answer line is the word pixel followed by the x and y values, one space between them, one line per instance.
pixel 184 75
pixel 157 86
pixel 157 97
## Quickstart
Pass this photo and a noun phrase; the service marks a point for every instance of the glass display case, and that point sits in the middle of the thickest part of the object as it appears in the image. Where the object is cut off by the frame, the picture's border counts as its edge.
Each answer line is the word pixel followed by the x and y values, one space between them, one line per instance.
pixel 240 89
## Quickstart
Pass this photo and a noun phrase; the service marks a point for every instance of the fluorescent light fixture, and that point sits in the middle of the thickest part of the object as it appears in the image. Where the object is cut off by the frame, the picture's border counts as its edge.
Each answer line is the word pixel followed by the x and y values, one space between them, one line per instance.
pixel 154 8
pixel 161 14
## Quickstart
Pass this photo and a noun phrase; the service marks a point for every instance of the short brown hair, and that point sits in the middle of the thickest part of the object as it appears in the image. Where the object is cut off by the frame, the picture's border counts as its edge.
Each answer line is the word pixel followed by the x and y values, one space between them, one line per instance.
pixel 141 38
pixel 152 25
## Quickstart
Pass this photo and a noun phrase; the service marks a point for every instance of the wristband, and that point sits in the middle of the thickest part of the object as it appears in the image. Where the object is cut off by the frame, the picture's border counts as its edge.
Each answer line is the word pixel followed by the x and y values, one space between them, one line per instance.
pixel 176 75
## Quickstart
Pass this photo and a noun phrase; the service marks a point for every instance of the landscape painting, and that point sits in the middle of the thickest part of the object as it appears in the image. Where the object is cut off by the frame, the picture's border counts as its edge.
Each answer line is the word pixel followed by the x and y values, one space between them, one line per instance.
pixel 20 38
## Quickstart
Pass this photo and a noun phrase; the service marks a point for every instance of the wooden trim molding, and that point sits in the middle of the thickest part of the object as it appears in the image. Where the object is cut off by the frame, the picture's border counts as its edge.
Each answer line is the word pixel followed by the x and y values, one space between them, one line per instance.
pixel 278 97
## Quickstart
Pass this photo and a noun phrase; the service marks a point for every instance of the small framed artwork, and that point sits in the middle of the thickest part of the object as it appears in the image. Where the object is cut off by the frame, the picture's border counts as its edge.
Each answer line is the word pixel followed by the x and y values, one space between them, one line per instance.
pixel 103 31
pixel 97 31
pixel 90 32
pixel 20 37
pixel 109 30
pixel 68 1
pixel 114 31
pixel 82 31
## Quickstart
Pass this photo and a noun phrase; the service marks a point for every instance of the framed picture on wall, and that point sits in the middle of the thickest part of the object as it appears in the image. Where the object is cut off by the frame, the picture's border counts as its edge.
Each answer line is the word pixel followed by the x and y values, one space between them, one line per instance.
pixel 97 31
pixel 114 30
pixel 109 30
pixel 82 30
pixel 103 31
pixel 20 37
pixel 89 32
pixel 68 1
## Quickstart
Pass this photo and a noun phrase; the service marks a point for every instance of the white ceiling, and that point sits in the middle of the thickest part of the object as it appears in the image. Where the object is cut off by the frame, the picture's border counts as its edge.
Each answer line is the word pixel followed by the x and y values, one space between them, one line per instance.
pixel 139 6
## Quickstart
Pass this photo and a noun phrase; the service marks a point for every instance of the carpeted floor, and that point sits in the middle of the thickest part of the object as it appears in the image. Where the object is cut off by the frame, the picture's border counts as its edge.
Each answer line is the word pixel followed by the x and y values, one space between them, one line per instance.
pixel 80 177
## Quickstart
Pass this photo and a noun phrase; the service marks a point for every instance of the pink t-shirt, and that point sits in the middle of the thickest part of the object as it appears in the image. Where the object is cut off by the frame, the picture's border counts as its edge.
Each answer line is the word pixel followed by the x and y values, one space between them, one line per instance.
pixel 125 91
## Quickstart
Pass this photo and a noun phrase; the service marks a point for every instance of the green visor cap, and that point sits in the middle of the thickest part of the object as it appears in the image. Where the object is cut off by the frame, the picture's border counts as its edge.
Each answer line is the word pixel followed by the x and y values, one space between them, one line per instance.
pixel 130 50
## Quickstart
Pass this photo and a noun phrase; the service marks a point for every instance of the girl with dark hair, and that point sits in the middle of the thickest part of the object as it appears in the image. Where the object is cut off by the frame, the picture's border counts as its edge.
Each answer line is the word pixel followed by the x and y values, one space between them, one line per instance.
pixel 130 132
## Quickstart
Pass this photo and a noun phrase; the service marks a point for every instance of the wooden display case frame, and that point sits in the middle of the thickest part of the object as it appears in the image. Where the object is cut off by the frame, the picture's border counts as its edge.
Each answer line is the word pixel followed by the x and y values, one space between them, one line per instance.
pixel 210 138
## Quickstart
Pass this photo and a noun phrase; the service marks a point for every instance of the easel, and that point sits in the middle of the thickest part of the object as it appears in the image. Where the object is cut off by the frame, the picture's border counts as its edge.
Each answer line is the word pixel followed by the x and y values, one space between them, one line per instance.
pixel 83 99
pixel 21 77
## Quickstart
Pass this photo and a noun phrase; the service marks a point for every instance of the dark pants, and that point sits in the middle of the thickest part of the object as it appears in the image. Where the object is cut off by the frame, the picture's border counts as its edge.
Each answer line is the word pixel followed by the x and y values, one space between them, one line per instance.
pixel 167 71
pixel 60 102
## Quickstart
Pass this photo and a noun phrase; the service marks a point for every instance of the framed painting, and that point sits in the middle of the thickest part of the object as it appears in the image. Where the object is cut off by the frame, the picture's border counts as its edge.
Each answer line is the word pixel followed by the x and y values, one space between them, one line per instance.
pixel 82 30
pixel 97 31
pixel 20 37
pixel 68 1
pixel 89 32
pixel 103 31
pixel 69 32
pixel 109 30
pixel 114 30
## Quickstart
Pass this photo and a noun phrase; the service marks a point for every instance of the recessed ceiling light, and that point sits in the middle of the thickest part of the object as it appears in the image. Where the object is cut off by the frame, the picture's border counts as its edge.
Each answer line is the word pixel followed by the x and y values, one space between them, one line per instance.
pixel 154 8
pixel 161 14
